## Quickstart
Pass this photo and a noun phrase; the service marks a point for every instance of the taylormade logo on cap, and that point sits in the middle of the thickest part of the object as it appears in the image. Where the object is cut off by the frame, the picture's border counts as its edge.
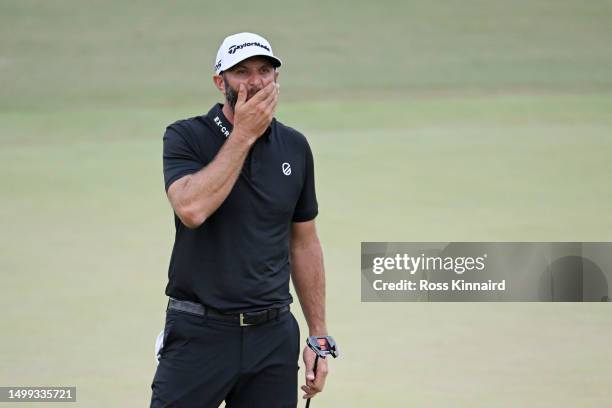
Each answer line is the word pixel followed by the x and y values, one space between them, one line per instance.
pixel 241 46
pixel 233 48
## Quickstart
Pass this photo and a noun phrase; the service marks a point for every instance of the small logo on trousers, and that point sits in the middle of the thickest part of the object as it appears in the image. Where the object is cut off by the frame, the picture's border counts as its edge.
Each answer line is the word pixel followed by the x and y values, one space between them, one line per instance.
pixel 286 169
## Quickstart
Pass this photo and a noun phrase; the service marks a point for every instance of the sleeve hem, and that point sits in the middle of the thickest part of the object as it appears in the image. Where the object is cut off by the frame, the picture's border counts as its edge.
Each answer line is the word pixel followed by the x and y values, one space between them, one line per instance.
pixel 306 216
pixel 177 177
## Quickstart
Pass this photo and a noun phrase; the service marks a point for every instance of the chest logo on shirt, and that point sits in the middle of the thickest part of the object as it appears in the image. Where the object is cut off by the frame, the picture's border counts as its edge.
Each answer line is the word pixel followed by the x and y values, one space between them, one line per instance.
pixel 286 169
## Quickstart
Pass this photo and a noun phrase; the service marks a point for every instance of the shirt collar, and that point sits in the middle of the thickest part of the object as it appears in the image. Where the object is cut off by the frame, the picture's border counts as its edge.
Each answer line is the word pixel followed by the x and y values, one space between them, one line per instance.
pixel 223 127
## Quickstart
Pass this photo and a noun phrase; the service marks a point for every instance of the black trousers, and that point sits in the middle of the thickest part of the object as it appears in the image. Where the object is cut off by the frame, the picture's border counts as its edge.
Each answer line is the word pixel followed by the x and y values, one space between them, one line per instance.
pixel 205 361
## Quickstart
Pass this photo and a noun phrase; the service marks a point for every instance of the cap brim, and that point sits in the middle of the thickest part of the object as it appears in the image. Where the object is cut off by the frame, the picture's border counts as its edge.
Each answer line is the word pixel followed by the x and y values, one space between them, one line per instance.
pixel 276 62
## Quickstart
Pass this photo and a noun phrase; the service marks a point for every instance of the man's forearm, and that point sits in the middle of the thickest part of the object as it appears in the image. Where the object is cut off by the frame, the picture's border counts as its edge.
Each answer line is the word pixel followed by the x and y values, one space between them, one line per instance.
pixel 309 281
pixel 203 192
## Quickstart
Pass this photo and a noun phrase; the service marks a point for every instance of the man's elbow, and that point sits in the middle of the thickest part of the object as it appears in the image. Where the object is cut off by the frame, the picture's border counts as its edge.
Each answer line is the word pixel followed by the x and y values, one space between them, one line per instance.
pixel 191 217
pixel 188 211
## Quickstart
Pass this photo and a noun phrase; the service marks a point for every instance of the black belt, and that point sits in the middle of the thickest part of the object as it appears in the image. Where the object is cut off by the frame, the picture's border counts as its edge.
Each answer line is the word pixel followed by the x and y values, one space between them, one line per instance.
pixel 243 319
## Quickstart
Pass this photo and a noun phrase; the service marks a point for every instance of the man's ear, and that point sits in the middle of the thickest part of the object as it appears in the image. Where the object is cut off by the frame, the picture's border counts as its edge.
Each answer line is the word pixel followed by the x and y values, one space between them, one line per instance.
pixel 219 83
pixel 276 75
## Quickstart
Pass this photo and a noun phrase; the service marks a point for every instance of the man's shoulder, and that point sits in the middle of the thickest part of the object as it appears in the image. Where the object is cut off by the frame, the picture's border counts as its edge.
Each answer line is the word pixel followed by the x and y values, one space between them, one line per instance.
pixel 189 127
pixel 291 133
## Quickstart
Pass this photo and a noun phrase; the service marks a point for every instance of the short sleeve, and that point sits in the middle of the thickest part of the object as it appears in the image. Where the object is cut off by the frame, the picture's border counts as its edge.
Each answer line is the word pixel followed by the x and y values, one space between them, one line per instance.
pixel 179 157
pixel 307 207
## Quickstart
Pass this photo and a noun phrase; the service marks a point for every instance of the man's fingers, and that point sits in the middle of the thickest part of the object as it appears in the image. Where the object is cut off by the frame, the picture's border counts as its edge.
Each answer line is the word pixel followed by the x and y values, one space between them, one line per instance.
pixel 274 97
pixel 308 392
pixel 309 359
pixel 314 381
pixel 271 106
pixel 317 384
pixel 270 98
pixel 262 94
pixel 242 94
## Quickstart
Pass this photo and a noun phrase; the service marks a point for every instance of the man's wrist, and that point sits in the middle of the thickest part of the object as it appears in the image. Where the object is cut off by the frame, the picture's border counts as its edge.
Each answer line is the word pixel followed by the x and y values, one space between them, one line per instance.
pixel 317 331
pixel 237 134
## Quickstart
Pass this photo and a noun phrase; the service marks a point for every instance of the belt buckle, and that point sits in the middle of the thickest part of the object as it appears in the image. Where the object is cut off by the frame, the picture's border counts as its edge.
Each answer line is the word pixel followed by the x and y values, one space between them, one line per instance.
pixel 242 323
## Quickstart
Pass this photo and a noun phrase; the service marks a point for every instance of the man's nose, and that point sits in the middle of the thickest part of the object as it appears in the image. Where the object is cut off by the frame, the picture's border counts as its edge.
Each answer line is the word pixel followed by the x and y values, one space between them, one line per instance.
pixel 254 80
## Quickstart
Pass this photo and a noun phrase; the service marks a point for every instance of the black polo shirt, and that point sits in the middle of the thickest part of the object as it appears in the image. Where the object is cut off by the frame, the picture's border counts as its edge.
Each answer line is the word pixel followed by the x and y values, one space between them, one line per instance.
pixel 238 259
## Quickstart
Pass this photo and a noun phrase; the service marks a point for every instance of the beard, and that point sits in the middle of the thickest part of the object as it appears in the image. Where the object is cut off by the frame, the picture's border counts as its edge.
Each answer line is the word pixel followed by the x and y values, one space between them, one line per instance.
pixel 231 94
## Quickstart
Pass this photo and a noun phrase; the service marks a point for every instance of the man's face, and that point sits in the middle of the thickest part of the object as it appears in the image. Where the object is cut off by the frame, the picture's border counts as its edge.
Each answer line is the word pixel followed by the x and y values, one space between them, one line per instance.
pixel 255 73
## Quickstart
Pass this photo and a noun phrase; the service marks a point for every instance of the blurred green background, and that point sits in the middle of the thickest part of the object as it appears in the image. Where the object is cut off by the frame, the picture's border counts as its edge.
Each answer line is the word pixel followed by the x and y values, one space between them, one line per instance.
pixel 429 121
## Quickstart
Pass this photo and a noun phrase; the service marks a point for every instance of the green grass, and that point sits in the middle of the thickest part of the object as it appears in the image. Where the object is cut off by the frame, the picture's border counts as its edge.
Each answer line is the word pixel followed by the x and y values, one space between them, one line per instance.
pixel 430 121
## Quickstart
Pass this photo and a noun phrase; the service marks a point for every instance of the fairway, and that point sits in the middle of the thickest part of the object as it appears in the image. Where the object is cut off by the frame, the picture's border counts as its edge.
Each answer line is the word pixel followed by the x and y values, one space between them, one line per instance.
pixel 445 121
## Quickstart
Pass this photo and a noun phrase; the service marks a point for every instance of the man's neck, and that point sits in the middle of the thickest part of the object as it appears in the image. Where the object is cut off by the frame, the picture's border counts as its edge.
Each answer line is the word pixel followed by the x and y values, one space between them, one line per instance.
pixel 228 112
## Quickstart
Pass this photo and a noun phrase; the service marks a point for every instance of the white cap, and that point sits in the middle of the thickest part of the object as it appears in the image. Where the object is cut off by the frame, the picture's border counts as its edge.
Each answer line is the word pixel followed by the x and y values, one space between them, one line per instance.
pixel 241 46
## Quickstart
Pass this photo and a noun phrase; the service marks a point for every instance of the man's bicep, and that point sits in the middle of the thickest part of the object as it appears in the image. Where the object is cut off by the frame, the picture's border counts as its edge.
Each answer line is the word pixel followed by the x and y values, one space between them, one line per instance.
pixel 307 207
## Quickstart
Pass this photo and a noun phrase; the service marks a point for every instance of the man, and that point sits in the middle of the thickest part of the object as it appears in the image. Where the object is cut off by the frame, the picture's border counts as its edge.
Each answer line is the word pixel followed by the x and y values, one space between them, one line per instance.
pixel 242 188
